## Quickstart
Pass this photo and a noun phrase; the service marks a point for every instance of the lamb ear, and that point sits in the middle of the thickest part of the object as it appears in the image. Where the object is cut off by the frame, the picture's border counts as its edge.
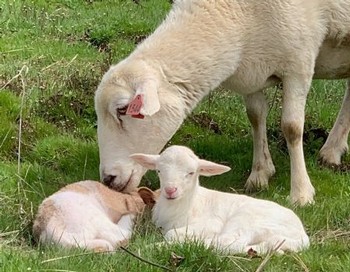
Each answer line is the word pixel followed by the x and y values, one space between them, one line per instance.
pixel 208 168
pixel 148 89
pixel 148 196
pixel 147 161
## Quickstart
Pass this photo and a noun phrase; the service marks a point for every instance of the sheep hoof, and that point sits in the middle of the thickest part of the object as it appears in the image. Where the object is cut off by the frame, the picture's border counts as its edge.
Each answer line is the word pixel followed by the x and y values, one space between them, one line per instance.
pixel 304 199
pixel 257 180
pixel 331 156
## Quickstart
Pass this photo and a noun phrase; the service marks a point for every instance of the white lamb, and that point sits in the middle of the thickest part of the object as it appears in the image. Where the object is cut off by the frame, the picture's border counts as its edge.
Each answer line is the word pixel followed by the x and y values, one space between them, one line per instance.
pixel 88 215
pixel 245 45
pixel 233 222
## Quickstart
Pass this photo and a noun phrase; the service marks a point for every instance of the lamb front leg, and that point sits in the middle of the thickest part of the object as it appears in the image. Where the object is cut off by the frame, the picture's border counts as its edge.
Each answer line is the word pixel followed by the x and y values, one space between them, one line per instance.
pixel 295 89
pixel 188 233
pixel 262 168
pixel 337 141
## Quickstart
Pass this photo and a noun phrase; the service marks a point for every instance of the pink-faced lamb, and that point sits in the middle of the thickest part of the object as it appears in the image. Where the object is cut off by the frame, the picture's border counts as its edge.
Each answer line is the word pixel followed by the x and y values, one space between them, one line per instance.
pixel 245 45
pixel 232 222
pixel 87 214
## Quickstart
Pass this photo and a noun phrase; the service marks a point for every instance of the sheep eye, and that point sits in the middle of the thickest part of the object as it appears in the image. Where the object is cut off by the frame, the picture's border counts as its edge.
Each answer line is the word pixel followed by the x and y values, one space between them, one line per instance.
pixel 122 111
pixel 190 174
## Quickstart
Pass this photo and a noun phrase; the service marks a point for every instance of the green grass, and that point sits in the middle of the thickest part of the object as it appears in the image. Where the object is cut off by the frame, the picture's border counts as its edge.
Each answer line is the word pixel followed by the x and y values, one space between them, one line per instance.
pixel 52 56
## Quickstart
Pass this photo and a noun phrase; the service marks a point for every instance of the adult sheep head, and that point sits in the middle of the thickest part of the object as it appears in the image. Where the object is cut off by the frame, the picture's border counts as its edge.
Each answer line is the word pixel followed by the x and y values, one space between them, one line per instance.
pixel 137 112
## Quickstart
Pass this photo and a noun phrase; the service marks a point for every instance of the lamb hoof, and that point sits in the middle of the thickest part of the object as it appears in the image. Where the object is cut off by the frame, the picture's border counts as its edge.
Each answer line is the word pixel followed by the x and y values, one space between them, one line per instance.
pixel 99 245
pixel 123 243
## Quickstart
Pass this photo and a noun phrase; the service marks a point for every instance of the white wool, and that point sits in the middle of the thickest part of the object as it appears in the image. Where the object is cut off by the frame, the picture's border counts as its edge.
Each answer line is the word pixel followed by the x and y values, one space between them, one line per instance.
pixel 246 46
pixel 232 222
pixel 88 215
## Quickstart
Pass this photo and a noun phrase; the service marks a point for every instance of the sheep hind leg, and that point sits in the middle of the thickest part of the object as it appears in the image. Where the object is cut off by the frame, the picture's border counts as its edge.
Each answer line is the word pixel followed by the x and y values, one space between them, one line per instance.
pixel 295 89
pixel 120 233
pixel 78 240
pixel 267 247
pixel 98 245
pixel 262 168
pixel 244 243
pixel 336 144
pixel 279 244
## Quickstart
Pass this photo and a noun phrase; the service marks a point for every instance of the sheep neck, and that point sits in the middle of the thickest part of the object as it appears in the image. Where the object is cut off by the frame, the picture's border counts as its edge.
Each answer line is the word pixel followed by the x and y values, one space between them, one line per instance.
pixel 193 75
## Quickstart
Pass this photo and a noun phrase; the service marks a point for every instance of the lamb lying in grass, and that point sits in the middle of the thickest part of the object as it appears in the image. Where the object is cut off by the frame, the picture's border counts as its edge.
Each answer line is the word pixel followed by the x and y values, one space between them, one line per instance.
pixel 88 215
pixel 232 222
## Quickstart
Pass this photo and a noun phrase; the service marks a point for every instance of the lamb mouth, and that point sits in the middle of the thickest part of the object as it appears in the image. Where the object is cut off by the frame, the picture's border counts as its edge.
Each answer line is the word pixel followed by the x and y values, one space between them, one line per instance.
pixel 171 197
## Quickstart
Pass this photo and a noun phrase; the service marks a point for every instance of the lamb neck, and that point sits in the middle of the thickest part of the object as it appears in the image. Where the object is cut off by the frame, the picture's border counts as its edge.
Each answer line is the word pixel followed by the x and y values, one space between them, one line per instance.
pixel 170 214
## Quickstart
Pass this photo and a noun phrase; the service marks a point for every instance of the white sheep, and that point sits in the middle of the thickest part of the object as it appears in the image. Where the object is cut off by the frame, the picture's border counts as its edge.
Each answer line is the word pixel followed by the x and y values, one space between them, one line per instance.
pixel 245 45
pixel 89 215
pixel 233 222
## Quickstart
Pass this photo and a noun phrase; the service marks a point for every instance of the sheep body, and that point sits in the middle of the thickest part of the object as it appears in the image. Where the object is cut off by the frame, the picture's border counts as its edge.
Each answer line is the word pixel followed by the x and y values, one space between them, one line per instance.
pixel 233 222
pixel 89 215
pixel 246 46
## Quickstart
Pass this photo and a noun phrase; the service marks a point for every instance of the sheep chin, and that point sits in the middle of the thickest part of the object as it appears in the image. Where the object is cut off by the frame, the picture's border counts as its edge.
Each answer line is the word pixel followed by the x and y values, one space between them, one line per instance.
pixel 126 187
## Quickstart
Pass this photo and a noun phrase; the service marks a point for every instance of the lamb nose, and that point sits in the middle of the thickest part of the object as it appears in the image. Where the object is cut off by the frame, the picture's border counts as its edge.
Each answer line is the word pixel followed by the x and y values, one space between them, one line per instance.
pixel 170 190
pixel 108 179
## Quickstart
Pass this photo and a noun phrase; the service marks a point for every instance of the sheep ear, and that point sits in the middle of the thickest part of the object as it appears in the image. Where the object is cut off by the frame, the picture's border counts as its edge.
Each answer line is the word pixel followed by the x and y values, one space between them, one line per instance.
pixel 146 100
pixel 147 161
pixel 207 168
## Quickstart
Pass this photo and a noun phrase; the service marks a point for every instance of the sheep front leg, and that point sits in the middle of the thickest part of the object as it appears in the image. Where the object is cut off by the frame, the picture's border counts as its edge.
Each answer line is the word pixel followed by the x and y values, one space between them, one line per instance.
pixel 336 144
pixel 295 89
pixel 262 168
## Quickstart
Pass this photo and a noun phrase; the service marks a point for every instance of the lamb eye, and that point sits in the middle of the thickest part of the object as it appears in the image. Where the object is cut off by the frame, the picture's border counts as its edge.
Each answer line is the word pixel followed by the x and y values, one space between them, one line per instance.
pixel 190 174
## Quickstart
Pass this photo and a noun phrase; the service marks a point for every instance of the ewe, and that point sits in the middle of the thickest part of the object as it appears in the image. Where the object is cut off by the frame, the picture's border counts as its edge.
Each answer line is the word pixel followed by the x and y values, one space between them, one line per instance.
pixel 237 223
pixel 89 215
pixel 246 45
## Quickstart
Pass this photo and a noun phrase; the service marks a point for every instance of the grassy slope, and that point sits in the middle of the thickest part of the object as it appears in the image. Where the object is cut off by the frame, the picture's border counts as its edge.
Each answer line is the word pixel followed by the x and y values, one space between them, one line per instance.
pixel 52 56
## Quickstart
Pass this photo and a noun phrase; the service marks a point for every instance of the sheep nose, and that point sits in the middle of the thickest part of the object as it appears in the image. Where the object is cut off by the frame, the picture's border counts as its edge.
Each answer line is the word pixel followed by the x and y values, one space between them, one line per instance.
pixel 170 191
pixel 108 179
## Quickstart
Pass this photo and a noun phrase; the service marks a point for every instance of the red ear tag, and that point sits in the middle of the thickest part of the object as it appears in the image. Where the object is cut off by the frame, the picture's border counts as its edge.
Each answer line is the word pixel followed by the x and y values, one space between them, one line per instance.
pixel 135 107
pixel 138 116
